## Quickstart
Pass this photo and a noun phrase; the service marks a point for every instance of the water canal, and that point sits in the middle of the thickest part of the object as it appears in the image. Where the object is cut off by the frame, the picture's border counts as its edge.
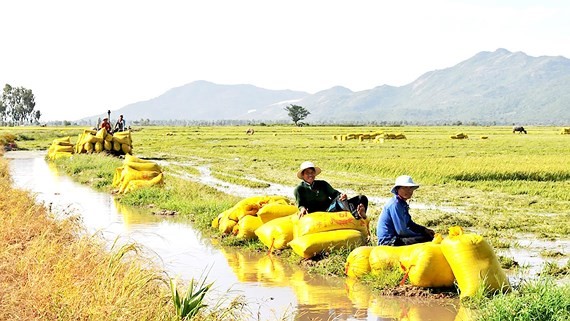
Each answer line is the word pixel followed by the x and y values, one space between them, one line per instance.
pixel 273 289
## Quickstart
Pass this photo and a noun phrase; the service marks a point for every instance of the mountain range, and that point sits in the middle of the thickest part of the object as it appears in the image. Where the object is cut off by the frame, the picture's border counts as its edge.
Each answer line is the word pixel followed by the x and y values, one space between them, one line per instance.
pixel 499 87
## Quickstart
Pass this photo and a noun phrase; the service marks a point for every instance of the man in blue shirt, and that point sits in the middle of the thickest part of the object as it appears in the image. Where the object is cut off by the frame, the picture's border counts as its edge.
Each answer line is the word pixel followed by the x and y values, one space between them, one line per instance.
pixel 395 225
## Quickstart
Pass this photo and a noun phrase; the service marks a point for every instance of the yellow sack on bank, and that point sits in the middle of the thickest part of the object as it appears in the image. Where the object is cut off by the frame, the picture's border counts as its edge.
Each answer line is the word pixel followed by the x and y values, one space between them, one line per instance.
pixel 226 225
pixel 329 221
pixel 136 184
pixel 473 263
pixel 310 245
pixel 130 158
pixel 427 267
pixel 246 227
pixel 383 257
pixel 358 262
pixel 151 167
pixel 276 233
pixel 275 210
pixel 61 148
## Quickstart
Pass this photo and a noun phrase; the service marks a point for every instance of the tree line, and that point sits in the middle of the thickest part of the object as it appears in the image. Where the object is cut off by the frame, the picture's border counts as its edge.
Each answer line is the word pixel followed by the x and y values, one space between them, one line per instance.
pixel 17 106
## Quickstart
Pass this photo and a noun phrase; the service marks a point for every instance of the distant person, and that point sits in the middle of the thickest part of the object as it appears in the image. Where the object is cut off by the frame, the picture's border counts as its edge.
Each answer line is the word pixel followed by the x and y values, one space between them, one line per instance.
pixel 105 124
pixel 120 125
pixel 395 225
pixel 319 196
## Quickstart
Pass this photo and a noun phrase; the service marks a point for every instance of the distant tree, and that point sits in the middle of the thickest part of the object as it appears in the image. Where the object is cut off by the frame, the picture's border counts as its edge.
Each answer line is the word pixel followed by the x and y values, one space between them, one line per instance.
pixel 297 113
pixel 17 105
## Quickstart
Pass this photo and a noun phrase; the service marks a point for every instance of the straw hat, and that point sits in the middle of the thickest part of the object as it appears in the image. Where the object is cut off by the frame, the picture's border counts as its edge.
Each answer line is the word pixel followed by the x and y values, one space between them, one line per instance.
pixel 403 180
pixel 306 165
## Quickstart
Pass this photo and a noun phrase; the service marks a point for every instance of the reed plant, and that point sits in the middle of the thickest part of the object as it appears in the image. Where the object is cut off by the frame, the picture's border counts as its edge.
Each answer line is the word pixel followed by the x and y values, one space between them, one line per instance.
pixel 191 302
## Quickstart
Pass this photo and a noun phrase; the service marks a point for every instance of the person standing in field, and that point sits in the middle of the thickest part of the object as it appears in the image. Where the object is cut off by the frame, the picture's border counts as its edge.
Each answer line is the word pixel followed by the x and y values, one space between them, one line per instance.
pixel 120 125
pixel 313 195
pixel 395 225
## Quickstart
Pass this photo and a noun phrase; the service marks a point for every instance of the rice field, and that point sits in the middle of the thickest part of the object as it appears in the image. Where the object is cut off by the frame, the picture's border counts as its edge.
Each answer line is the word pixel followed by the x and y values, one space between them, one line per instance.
pixel 500 180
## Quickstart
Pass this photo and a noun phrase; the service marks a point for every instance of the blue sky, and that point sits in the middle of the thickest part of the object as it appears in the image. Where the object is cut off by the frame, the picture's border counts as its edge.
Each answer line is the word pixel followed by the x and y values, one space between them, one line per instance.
pixel 81 58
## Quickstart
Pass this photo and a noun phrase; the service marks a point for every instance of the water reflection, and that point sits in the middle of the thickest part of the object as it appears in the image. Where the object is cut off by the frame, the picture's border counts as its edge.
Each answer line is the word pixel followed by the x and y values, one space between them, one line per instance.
pixel 273 288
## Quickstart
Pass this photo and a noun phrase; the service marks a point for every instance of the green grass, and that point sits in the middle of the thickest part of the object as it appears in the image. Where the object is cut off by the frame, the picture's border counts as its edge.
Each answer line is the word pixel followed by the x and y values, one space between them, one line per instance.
pixel 539 300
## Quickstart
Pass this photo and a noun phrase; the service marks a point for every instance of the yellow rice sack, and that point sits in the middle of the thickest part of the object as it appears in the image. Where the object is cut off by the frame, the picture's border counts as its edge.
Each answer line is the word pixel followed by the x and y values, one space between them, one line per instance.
pixel 107 145
pixel 122 140
pixel 310 245
pixel 117 146
pixel 151 167
pixel 275 210
pixel 226 225
pixel 89 138
pixel 117 176
pixel 88 147
pixel 357 262
pixel 101 133
pixel 427 267
pixel 98 147
pixel 329 221
pixel 126 148
pixel 141 183
pixel 130 158
pixel 473 263
pixel 62 148
pixel 129 174
pixel 246 227
pixel 276 233
pixel 383 257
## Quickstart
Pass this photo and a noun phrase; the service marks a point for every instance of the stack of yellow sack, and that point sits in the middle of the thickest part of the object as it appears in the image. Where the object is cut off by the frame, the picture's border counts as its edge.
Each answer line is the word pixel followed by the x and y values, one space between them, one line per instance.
pixel 136 173
pixel 245 217
pixel 319 231
pixel 60 147
pixel 463 258
pixel 97 141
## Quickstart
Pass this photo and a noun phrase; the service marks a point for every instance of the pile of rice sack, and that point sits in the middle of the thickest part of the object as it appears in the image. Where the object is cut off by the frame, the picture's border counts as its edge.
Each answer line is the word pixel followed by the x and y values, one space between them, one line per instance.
pixel 461 257
pixel 91 141
pixel 136 173
pixel 274 221
pixel 60 147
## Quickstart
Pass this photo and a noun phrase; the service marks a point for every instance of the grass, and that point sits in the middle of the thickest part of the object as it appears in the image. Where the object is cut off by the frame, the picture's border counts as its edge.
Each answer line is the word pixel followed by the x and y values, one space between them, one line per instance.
pixel 539 300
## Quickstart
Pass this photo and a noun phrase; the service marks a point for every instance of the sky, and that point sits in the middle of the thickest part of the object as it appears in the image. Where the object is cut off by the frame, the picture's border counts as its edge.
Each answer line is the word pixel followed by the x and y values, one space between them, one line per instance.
pixel 82 58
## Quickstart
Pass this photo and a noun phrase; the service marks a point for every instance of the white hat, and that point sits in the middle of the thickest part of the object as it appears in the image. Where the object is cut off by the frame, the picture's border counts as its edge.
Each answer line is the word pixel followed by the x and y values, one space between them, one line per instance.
pixel 306 165
pixel 403 180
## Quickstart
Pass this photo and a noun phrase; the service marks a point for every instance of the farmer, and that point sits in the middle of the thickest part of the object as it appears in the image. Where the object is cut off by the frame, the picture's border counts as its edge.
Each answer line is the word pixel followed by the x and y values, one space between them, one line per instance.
pixel 319 196
pixel 395 225
pixel 106 124
pixel 120 125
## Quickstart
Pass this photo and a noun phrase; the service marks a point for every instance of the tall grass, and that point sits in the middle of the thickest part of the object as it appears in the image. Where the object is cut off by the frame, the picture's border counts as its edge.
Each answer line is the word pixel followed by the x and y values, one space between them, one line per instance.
pixel 51 270
pixel 540 300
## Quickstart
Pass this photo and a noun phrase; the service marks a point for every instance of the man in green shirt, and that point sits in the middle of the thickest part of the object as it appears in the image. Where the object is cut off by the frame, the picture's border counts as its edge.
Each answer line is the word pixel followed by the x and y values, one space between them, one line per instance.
pixel 319 196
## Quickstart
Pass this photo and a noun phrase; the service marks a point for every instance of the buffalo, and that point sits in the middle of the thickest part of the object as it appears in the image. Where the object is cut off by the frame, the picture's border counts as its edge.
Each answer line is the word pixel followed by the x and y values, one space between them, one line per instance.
pixel 519 129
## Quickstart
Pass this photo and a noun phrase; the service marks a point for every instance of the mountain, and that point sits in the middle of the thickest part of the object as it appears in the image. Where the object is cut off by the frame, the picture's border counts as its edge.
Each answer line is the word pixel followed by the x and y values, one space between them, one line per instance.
pixel 500 87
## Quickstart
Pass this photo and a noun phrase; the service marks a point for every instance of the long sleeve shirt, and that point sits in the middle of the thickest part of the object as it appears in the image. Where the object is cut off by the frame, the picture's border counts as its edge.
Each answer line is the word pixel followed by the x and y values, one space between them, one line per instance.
pixel 316 197
pixel 395 220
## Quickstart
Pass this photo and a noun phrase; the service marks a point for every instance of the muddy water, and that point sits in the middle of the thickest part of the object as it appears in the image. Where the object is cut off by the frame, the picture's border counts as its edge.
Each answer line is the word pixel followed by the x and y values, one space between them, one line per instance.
pixel 273 289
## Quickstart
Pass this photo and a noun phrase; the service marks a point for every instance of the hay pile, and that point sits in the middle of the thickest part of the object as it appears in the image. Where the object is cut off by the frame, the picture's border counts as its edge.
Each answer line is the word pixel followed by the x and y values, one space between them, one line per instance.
pixel 459 136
